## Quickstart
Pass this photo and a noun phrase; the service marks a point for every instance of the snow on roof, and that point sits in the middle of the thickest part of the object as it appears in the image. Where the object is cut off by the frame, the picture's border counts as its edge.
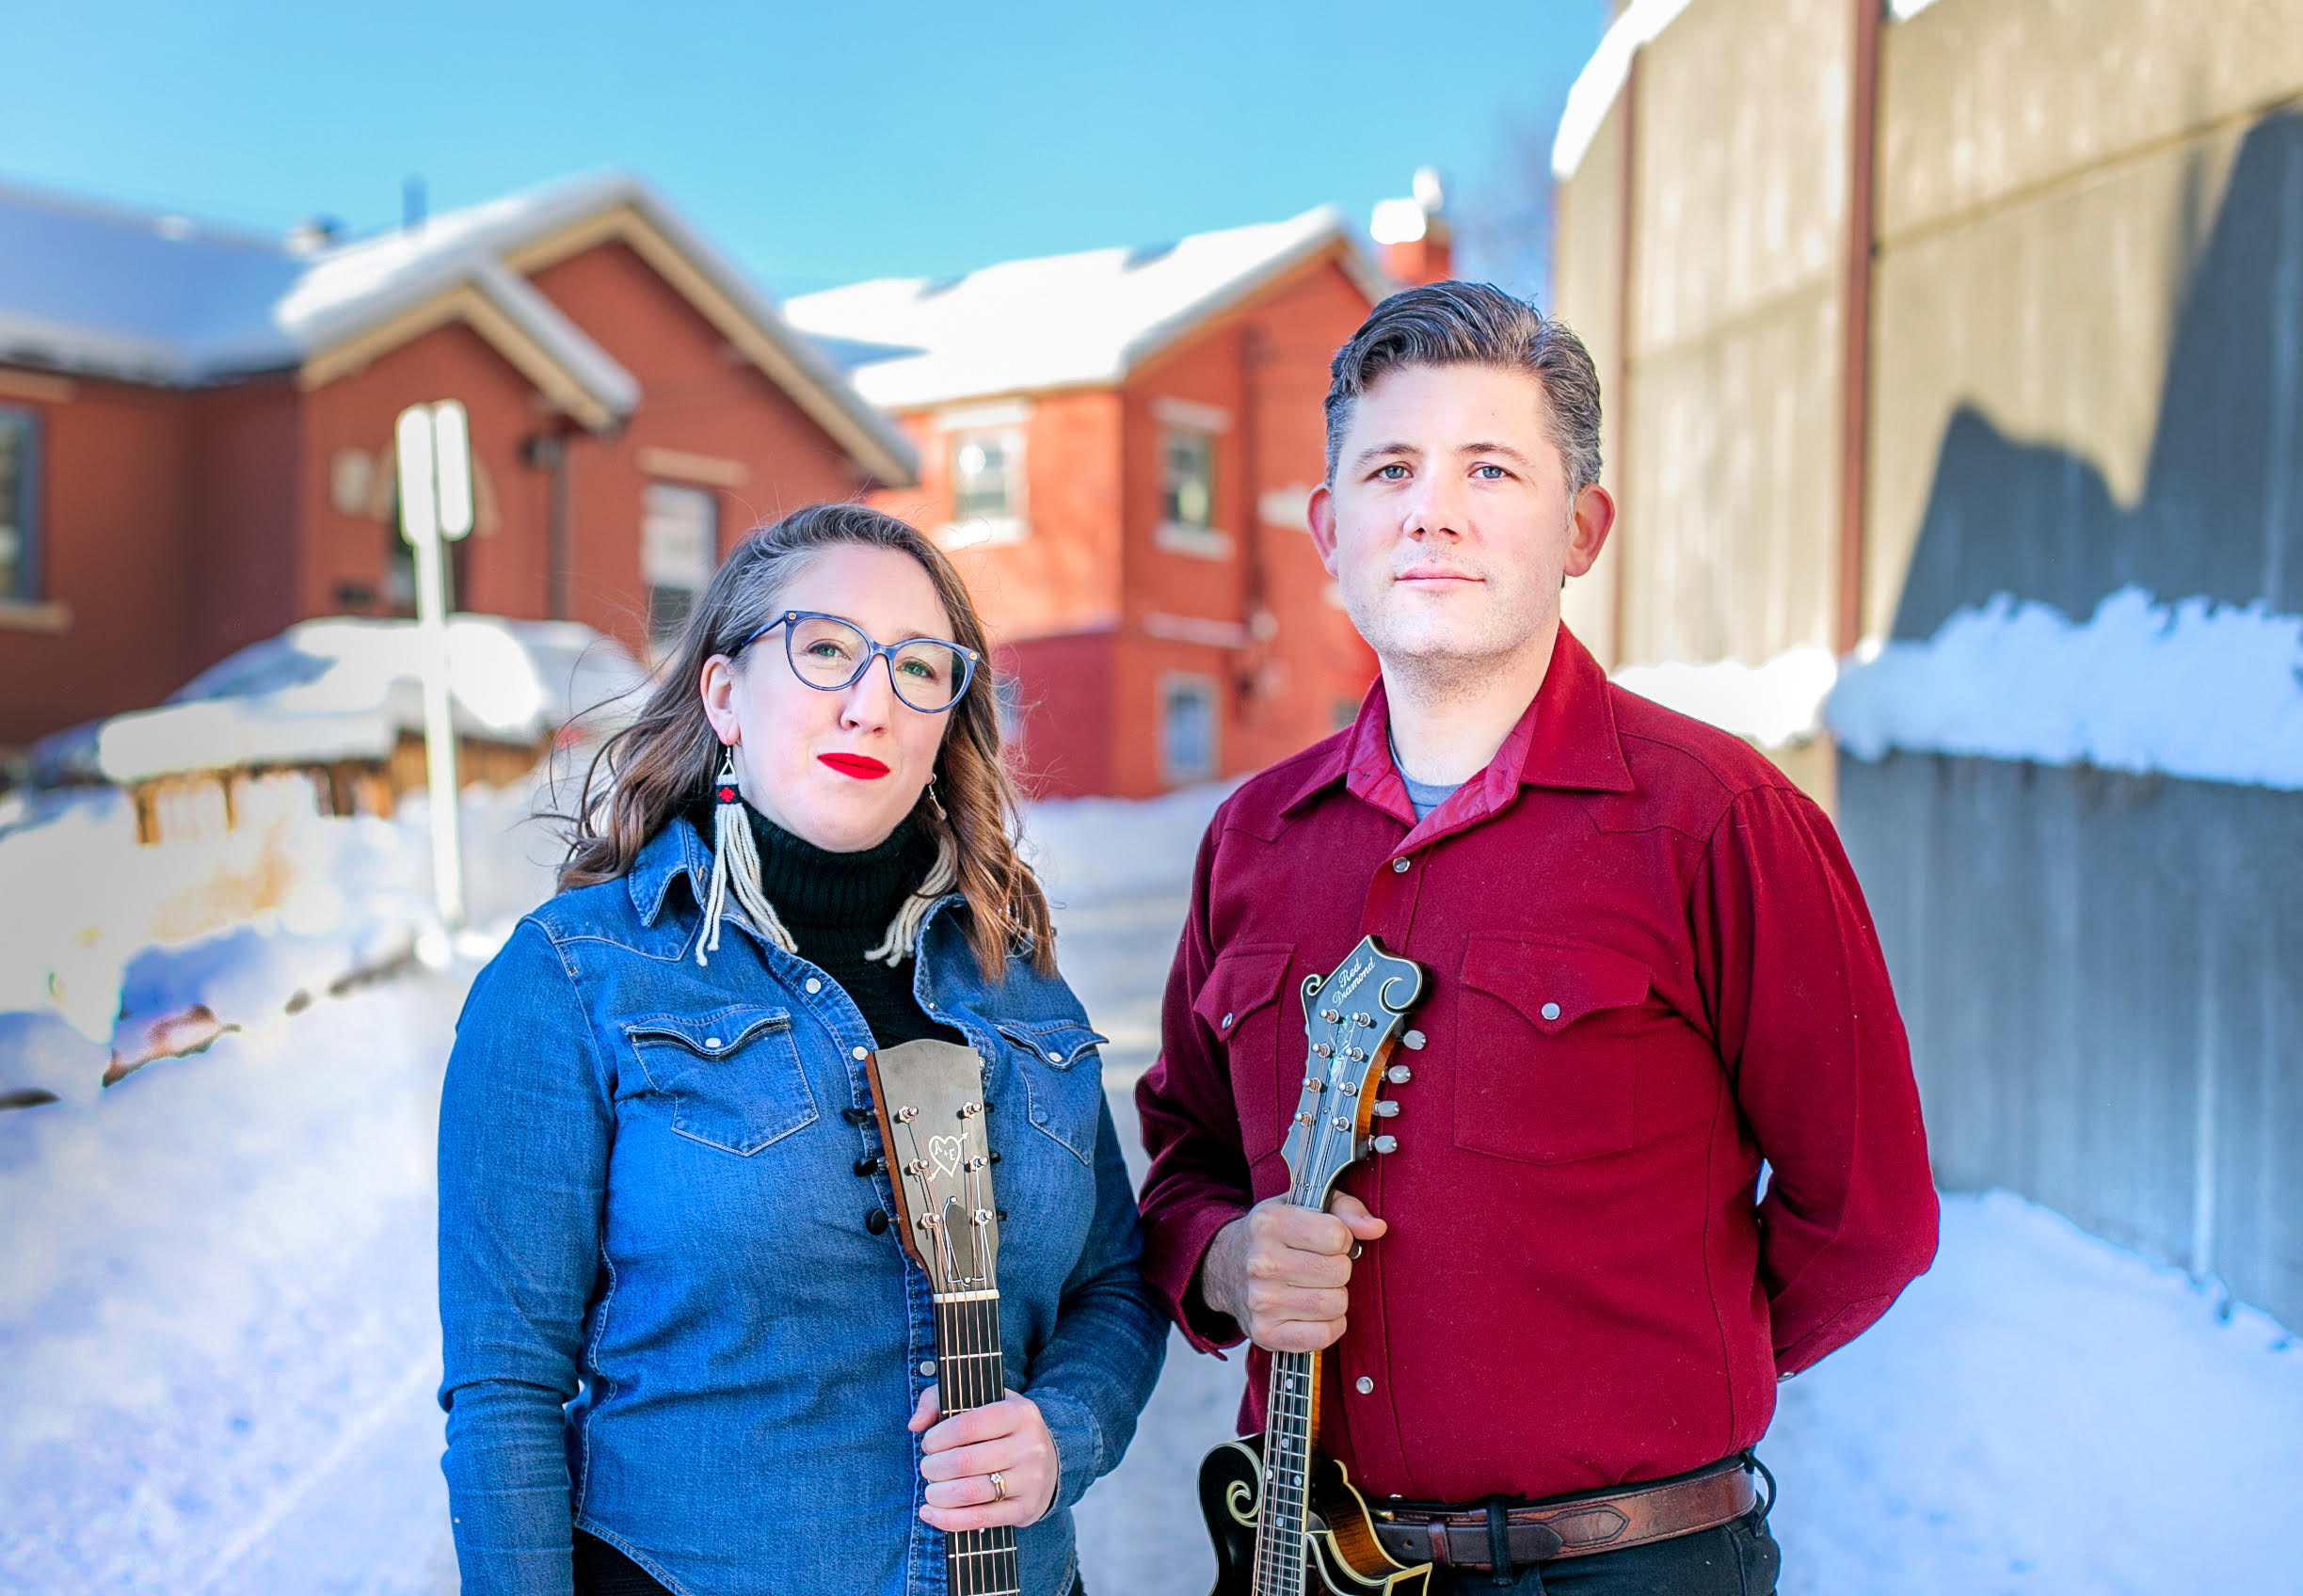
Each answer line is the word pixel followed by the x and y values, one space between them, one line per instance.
pixel 160 299
pixel 1058 320
pixel 2211 692
pixel 148 297
pixel 347 689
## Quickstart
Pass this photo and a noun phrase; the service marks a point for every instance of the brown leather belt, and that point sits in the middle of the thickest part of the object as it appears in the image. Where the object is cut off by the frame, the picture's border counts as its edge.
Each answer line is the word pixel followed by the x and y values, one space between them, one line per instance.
pixel 1569 1526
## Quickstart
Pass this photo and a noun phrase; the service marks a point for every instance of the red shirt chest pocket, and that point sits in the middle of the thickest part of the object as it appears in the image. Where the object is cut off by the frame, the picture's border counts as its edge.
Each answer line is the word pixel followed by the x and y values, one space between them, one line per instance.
pixel 1240 1004
pixel 1546 1037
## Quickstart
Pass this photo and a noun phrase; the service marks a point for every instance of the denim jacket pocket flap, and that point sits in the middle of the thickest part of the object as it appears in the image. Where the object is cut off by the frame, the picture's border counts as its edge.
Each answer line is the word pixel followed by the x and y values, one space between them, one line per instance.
pixel 1552 984
pixel 732 1075
pixel 1057 1044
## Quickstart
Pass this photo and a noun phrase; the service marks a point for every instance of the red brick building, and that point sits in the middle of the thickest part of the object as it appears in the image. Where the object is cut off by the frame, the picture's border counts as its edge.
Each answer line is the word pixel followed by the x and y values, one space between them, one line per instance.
pixel 1117 446
pixel 196 428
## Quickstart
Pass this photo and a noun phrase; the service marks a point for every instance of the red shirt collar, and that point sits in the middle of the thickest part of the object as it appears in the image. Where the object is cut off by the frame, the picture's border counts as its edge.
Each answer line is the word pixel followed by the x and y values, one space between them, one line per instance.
pixel 1565 738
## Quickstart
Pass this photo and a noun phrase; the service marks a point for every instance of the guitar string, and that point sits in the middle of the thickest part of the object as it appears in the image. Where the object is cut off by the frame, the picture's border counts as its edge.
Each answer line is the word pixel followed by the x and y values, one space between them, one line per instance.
pixel 981 1562
pixel 1280 1572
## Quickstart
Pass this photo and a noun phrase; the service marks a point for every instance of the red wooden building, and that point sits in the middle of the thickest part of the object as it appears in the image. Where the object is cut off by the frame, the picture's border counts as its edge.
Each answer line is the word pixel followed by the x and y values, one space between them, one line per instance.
pixel 196 428
pixel 1117 446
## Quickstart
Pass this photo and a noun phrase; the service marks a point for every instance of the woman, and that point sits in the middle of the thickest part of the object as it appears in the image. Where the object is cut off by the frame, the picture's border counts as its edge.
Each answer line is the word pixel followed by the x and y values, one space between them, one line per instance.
pixel 661 1204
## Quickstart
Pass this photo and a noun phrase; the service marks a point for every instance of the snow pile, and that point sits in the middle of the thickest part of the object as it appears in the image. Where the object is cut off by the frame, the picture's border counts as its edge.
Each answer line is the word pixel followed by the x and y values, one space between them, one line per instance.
pixel 1089 850
pixel 349 689
pixel 2026 1404
pixel 1774 704
pixel 250 925
pixel 2211 692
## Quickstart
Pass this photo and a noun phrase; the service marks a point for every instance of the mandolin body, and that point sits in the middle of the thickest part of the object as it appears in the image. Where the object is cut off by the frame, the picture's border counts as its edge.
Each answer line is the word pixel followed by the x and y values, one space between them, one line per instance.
pixel 1342 1554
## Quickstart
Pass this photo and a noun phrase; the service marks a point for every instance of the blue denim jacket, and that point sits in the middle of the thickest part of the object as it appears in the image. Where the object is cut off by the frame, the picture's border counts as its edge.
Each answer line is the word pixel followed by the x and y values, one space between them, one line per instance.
pixel 660 1302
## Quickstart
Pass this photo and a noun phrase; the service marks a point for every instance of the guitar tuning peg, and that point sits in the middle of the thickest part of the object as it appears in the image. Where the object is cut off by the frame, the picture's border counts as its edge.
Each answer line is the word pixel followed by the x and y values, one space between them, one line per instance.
pixel 1385 1144
pixel 1384 1109
pixel 1399 1075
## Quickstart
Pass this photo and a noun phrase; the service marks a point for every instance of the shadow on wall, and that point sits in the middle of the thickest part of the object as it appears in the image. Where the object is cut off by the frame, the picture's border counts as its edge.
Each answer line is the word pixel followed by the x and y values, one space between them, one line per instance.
pixel 2099 970
pixel 2222 509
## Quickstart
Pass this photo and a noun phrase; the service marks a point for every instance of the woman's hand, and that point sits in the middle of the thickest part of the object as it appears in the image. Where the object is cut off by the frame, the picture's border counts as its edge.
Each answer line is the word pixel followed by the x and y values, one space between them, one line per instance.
pixel 960 1455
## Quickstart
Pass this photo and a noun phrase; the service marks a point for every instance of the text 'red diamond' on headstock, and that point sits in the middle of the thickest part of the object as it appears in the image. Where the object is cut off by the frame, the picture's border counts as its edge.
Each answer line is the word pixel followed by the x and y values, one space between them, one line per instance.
pixel 1352 1019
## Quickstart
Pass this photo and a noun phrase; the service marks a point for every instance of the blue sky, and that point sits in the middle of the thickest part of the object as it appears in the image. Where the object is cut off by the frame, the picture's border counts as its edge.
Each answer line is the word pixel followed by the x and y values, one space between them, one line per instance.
pixel 818 145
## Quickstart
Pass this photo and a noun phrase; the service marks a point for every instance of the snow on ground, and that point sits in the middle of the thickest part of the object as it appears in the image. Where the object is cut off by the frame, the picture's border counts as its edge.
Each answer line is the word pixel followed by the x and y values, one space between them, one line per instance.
pixel 219 1331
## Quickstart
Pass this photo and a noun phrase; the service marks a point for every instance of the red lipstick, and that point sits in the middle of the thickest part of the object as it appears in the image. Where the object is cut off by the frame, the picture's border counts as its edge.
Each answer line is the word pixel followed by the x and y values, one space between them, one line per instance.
pixel 863 767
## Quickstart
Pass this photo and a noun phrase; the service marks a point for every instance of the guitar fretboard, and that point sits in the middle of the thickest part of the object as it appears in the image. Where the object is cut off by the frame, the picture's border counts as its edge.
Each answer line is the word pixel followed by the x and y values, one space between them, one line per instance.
pixel 1282 1511
pixel 970 1374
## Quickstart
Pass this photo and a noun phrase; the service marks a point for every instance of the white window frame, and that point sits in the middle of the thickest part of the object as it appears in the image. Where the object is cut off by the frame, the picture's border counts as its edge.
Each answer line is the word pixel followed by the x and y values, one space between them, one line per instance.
pixel 657 571
pixel 30 580
pixel 1005 422
pixel 1207 542
pixel 1200 685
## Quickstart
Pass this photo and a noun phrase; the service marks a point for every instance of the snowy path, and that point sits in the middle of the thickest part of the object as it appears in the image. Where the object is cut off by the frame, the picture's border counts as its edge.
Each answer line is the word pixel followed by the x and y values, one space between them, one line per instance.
pixel 217 1330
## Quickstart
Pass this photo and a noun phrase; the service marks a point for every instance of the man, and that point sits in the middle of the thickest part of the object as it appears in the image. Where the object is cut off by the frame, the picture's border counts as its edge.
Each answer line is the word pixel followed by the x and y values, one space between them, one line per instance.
pixel 1650 968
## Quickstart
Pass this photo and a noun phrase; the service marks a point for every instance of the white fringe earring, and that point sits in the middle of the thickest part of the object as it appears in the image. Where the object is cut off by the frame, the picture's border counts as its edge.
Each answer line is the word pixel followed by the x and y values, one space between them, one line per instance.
pixel 902 938
pixel 735 867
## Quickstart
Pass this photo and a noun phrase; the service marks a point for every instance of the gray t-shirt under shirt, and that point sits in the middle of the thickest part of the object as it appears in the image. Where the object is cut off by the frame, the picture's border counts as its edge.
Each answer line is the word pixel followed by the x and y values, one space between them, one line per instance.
pixel 1426 796
pixel 1422 796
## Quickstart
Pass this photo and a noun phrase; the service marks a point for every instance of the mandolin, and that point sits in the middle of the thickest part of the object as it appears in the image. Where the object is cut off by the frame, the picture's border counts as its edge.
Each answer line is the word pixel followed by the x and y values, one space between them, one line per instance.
pixel 928 1098
pixel 1285 1519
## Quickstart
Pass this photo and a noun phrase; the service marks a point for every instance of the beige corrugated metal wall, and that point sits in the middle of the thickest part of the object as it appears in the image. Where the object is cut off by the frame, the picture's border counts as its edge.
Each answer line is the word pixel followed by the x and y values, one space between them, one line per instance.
pixel 2045 172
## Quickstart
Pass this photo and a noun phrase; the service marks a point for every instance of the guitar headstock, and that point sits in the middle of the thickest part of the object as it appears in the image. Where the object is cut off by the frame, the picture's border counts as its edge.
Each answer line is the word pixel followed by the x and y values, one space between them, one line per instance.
pixel 1354 1020
pixel 929 1098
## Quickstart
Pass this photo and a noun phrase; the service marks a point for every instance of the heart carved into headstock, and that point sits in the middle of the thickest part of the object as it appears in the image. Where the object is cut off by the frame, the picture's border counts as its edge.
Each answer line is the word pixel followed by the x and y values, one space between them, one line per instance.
pixel 944 1154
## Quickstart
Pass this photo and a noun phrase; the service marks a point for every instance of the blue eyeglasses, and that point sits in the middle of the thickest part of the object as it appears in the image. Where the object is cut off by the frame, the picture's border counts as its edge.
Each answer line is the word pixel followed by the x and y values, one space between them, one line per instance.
pixel 831 653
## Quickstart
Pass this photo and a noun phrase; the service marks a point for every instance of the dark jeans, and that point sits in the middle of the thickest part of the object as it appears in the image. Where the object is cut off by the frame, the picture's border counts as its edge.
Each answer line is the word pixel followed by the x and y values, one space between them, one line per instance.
pixel 603 1571
pixel 1735 1559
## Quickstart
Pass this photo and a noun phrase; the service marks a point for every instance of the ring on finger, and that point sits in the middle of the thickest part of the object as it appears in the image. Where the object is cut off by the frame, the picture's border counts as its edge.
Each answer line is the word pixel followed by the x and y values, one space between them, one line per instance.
pixel 999 1488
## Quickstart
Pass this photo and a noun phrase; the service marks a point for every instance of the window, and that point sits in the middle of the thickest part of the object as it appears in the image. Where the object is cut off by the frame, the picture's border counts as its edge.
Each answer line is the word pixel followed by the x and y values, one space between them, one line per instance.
pixel 979 485
pixel 19 505
pixel 680 548
pixel 1186 505
pixel 1190 479
pixel 1186 729
pixel 987 486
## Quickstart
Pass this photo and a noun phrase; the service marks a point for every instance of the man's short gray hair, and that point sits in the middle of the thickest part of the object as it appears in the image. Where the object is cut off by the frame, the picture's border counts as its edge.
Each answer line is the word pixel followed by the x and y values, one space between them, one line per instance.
pixel 1474 324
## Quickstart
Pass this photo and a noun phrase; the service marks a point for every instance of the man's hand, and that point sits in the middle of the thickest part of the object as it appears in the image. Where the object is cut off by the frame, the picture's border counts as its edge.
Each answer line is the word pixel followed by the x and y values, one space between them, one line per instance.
pixel 958 1456
pixel 1281 1272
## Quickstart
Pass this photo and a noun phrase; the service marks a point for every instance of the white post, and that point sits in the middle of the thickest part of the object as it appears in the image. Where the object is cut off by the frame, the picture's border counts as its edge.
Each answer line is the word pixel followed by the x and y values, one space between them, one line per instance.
pixel 436 504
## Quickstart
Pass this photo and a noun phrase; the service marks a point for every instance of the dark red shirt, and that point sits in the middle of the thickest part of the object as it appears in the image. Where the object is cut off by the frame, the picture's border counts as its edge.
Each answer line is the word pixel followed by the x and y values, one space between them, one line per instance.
pixel 1650 968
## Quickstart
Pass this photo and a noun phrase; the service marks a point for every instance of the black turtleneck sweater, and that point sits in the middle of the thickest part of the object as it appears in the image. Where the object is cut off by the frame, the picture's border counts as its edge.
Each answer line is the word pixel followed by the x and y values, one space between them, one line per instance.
pixel 836 905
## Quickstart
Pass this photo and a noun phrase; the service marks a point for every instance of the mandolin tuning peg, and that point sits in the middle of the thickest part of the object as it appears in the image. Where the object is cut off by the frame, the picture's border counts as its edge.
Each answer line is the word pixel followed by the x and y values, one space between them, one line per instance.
pixel 1413 1041
pixel 1399 1075
pixel 1385 1144
pixel 1384 1109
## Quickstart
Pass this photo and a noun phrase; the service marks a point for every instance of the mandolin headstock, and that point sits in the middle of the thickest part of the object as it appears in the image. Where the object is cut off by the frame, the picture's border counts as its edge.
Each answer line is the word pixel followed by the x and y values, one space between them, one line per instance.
pixel 929 1098
pixel 1353 1021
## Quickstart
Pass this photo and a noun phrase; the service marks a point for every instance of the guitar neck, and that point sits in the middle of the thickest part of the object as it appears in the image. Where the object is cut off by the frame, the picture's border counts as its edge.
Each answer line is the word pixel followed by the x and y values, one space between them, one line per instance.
pixel 970 1374
pixel 1291 1430
pixel 1291 1426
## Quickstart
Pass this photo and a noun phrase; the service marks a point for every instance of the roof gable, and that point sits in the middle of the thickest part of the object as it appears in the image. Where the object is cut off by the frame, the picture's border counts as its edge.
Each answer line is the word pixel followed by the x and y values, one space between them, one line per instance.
pixel 159 300
pixel 1059 320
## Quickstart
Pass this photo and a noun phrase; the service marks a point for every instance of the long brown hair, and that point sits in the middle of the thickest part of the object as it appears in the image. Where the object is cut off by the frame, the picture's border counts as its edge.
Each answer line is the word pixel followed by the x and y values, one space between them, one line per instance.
pixel 668 755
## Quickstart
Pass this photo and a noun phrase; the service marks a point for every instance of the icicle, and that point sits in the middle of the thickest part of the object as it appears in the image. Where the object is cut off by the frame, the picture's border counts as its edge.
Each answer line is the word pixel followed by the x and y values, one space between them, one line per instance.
pixel 735 865
pixel 902 937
